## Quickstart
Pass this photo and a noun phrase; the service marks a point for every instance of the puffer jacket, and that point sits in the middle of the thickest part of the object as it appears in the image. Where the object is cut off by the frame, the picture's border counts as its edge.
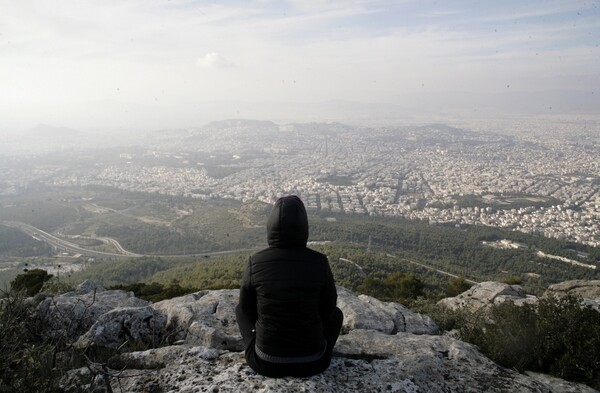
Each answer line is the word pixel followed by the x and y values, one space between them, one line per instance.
pixel 288 289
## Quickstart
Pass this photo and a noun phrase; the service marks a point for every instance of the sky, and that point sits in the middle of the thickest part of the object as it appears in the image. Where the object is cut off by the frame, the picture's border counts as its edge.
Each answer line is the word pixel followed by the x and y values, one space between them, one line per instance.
pixel 177 63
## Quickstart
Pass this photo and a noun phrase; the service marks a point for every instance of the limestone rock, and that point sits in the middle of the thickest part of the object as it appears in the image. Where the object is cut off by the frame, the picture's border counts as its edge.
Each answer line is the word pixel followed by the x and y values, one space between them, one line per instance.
pixel 70 315
pixel 204 318
pixel 88 286
pixel 366 312
pixel 379 353
pixel 126 328
pixel 405 320
pixel 366 361
pixel 434 364
pixel 589 290
pixel 558 385
pixel 358 314
pixel 486 294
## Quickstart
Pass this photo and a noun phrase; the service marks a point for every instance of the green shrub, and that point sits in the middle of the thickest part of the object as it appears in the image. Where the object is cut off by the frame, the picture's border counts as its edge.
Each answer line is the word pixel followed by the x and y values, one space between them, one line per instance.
pixel 507 335
pixel 399 287
pixel 569 340
pixel 512 280
pixel 26 362
pixel 456 286
pixel 31 282
pixel 155 292
pixel 445 318
pixel 558 336
pixel 33 362
pixel 56 287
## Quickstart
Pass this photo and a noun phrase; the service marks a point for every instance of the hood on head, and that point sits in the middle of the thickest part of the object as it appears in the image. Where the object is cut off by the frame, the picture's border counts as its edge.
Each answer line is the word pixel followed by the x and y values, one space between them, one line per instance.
pixel 288 223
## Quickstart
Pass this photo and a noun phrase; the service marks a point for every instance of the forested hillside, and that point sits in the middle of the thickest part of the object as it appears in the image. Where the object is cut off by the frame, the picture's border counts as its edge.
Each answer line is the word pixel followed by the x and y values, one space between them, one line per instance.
pixel 176 234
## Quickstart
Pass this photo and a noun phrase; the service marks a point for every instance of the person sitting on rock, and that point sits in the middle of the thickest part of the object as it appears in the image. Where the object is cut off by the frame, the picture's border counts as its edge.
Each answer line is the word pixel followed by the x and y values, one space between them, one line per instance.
pixel 287 310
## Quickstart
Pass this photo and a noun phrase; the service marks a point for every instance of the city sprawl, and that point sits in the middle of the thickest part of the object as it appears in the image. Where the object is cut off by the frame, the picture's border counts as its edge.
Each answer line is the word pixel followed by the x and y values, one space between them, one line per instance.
pixel 538 178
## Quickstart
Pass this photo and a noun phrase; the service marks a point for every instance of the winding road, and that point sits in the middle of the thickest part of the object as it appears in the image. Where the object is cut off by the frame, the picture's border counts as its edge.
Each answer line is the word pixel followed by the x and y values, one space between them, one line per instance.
pixel 67 246
pixel 433 269
pixel 62 244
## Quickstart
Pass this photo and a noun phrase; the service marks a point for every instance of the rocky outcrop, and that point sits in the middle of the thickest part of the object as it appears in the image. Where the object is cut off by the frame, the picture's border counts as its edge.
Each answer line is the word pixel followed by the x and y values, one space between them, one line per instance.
pixel 68 316
pixel 365 361
pixel 366 312
pixel 204 318
pixel 384 347
pixel 126 328
pixel 589 291
pixel 489 293
pixel 486 294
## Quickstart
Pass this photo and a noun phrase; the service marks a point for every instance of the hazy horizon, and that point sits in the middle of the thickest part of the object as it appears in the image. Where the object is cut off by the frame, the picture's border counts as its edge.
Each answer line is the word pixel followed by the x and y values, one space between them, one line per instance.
pixel 181 63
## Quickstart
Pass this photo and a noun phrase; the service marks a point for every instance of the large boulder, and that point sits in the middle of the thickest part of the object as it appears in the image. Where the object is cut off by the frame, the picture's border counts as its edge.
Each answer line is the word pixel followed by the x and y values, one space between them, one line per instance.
pixel 366 312
pixel 88 286
pixel 204 318
pixel 68 316
pixel 126 328
pixel 486 294
pixel 589 291
pixel 358 315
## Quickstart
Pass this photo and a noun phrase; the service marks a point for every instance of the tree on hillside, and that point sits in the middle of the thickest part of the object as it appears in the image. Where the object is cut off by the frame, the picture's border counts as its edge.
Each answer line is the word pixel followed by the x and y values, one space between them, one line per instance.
pixel 456 286
pixel 398 286
pixel 31 281
pixel 403 286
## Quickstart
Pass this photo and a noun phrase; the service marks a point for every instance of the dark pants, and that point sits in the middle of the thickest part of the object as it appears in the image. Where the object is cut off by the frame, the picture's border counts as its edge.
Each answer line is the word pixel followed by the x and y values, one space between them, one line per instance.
pixel 276 370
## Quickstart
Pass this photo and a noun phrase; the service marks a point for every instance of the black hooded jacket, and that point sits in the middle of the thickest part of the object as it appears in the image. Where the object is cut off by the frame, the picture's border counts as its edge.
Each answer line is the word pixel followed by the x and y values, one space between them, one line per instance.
pixel 288 289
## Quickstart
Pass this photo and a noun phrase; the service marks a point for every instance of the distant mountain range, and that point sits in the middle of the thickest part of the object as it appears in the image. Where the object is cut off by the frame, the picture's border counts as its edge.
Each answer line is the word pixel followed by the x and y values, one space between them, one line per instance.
pixel 405 108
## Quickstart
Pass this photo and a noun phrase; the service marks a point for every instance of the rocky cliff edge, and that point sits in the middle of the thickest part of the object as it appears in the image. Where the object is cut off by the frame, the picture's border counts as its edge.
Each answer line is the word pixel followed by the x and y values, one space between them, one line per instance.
pixel 192 344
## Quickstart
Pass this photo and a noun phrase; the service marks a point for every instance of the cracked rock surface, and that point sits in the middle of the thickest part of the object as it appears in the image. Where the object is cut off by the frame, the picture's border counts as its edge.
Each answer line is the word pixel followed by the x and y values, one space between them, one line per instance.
pixel 192 344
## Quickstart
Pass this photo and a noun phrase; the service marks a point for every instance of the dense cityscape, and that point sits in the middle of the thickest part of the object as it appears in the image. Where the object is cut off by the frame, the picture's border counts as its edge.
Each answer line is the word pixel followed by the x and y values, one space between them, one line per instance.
pixel 545 182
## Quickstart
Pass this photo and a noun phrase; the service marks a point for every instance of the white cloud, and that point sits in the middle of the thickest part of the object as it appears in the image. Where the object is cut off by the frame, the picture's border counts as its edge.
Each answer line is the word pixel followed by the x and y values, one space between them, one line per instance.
pixel 213 60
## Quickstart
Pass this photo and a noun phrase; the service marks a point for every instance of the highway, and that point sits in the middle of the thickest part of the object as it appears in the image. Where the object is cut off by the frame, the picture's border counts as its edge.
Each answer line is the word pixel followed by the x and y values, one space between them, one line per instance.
pixel 61 244
pixel 67 246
